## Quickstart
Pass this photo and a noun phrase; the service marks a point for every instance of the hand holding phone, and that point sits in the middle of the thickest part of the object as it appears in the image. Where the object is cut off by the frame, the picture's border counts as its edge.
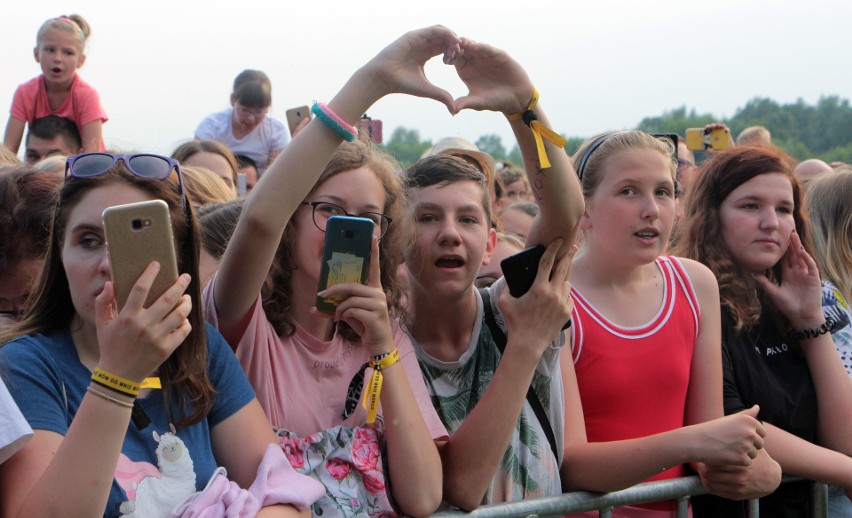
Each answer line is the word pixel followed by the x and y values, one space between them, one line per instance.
pixel 138 234
pixel 521 269
pixel 346 255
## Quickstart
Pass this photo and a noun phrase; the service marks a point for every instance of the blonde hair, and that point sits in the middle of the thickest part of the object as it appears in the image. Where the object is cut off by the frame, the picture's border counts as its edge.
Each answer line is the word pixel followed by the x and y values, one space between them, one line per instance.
pixel 827 199
pixel 203 186
pixel 754 136
pixel 73 23
pixel 590 159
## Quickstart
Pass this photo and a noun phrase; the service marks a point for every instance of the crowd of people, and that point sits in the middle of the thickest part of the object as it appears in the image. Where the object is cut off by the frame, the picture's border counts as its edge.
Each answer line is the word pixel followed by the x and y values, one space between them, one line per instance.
pixel 681 318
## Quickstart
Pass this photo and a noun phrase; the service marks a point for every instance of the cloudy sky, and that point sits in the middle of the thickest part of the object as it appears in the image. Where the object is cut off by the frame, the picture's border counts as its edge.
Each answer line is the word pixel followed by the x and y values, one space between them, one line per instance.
pixel 161 66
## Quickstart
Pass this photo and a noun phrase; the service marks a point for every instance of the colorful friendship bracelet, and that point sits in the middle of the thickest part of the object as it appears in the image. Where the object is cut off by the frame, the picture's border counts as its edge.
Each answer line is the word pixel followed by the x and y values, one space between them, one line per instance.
pixel 125 404
pixel 378 363
pixel 539 130
pixel 334 122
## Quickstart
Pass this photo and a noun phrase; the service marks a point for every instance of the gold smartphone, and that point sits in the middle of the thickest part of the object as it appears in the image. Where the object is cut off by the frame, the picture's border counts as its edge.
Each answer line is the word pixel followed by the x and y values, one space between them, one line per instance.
pixel 295 116
pixel 136 235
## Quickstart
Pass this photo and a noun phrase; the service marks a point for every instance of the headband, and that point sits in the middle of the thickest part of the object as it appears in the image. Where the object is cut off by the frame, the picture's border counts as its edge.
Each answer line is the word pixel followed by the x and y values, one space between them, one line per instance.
pixel 581 167
pixel 75 24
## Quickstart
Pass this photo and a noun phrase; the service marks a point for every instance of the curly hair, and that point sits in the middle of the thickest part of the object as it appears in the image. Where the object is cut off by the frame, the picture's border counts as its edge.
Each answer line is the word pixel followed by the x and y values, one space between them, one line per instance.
pixel 700 233
pixel 277 292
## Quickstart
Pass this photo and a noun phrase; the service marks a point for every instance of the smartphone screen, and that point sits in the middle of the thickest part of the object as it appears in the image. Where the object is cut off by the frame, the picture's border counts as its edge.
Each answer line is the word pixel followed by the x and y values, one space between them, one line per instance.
pixel 346 255
pixel 136 235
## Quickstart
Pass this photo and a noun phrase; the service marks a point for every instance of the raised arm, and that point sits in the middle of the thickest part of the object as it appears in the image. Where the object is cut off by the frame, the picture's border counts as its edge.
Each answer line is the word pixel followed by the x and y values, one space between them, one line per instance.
pixel 496 82
pixel 397 68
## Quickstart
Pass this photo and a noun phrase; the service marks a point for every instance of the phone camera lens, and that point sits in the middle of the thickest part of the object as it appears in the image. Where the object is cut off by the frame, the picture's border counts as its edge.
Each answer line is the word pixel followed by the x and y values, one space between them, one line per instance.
pixel 350 234
pixel 136 224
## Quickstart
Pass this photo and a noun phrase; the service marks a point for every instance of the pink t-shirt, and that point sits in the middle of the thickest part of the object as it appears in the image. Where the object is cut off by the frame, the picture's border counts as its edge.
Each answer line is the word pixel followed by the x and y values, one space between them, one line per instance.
pixel 82 104
pixel 301 381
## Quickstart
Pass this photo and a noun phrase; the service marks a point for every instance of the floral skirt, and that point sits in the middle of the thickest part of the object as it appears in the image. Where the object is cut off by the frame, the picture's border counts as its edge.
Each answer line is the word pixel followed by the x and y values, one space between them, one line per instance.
pixel 349 463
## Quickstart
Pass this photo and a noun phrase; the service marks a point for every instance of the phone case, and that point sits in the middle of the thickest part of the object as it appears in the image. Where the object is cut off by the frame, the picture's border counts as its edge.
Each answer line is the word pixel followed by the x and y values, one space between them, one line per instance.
pixel 346 255
pixel 718 139
pixel 520 269
pixel 136 235
pixel 295 115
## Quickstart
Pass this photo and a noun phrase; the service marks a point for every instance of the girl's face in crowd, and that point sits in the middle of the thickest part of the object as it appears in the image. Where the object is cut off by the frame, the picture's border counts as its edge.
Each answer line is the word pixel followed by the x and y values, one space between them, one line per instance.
pixel 757 221
pixel 60 54
pixel 245 118
pixel 631 213
pixel 215 163
pixel 453 237
pixel 517 191
pixel 84 254
pixel 357 191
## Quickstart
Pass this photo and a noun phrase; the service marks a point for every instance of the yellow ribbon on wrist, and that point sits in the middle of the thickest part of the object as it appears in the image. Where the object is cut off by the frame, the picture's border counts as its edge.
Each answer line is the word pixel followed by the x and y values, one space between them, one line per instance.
pixel 374 389
pixel 539 130
pixel 124 385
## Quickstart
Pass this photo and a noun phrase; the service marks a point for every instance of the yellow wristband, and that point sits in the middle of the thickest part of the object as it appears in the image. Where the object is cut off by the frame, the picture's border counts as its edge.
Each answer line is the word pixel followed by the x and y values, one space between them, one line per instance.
pixel 123 385
pixel 374 389
pixel 540 131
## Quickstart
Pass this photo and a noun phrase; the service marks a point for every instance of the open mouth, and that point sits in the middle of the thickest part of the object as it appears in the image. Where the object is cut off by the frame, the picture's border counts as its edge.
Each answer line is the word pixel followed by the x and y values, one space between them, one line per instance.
pixel 647 234
pixel 453 261
pixel 56 70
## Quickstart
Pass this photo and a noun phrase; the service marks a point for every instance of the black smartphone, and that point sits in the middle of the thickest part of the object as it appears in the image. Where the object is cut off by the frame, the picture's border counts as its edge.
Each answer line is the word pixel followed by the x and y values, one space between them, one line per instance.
pixel 520 269
pixel 346 255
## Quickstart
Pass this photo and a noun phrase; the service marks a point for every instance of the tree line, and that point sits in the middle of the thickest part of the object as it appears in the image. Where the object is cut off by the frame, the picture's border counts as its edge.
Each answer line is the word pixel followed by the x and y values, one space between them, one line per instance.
pixel 822 130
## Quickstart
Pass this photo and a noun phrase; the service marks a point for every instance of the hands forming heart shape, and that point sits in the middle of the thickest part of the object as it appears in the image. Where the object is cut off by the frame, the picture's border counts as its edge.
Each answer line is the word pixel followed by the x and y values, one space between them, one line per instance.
pixel 494 80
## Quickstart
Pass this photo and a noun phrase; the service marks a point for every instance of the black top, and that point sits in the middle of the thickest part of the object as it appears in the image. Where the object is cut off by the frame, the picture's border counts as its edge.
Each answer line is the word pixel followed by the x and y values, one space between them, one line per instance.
pixel 761 367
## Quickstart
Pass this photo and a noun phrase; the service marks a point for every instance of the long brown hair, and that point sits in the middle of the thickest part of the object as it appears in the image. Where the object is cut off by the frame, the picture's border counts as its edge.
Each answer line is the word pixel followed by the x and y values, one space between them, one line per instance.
pixel 700 231
pixel 184 373
pixel 277 294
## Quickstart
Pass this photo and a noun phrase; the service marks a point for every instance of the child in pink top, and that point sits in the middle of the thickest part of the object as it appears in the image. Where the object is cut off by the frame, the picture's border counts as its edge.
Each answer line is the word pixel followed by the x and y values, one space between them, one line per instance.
pixel 59 90
pixel 307 366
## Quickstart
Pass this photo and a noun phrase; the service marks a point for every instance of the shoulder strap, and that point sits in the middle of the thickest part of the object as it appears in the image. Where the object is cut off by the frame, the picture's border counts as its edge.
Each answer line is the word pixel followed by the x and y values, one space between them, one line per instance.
pixel 500 340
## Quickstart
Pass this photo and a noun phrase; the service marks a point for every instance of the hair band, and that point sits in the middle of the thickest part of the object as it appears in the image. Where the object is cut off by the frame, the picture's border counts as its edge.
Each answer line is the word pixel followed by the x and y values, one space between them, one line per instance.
pixel 75 24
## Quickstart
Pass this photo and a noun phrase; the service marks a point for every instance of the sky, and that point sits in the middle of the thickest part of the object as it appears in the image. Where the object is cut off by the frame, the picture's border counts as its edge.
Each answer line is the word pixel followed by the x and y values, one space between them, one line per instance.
pixel 161 66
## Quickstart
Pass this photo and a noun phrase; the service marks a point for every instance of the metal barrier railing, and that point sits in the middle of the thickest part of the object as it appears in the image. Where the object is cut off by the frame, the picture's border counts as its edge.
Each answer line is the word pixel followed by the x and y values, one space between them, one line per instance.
pixel 679 489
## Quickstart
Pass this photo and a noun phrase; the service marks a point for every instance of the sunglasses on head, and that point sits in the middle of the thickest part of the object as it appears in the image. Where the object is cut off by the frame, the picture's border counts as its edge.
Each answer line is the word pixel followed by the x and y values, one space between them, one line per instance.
pixel 143 165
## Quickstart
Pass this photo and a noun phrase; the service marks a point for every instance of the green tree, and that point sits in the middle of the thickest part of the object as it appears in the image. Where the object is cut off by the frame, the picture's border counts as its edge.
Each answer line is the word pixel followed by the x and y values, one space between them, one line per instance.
pixel 493 145
pixel 405 145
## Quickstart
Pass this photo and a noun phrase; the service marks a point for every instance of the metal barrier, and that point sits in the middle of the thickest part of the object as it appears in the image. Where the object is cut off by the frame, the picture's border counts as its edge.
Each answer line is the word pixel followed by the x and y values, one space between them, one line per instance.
pixel 679 489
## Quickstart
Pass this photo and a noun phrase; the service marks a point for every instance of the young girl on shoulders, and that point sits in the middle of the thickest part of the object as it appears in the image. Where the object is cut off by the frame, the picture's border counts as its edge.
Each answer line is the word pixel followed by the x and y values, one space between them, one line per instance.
pixel 60 46
pixel 246 128
pixel 309 368
pixel 645 341
pixel 746 220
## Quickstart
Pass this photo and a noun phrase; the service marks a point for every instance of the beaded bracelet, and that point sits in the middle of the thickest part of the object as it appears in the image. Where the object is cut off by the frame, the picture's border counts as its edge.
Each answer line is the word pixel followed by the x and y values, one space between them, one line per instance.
pixel 125 404
pixel 813 332
pixel 334 122
pixel 378 363
pixel 539 130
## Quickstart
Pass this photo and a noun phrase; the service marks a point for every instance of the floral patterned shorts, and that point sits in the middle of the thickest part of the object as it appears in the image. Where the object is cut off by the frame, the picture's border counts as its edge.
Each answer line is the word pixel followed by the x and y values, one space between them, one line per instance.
pixel 349 463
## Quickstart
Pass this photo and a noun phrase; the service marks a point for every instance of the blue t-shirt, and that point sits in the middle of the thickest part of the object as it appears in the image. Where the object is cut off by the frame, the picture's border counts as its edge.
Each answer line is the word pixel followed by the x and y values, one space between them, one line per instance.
pixel 48 382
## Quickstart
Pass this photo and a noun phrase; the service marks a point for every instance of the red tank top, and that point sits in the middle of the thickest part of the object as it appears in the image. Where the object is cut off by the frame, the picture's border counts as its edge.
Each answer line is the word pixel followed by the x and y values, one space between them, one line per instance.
pixel 633 381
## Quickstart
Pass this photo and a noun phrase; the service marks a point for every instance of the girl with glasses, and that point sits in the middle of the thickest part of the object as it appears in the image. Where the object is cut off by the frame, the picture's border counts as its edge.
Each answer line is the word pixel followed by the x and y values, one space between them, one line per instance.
pixel 311 369
pixel 245 128
pixel 133 410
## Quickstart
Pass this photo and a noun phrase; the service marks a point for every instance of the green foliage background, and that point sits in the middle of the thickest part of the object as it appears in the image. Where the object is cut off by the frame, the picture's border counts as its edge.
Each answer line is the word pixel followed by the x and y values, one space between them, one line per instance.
pixel 823 130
